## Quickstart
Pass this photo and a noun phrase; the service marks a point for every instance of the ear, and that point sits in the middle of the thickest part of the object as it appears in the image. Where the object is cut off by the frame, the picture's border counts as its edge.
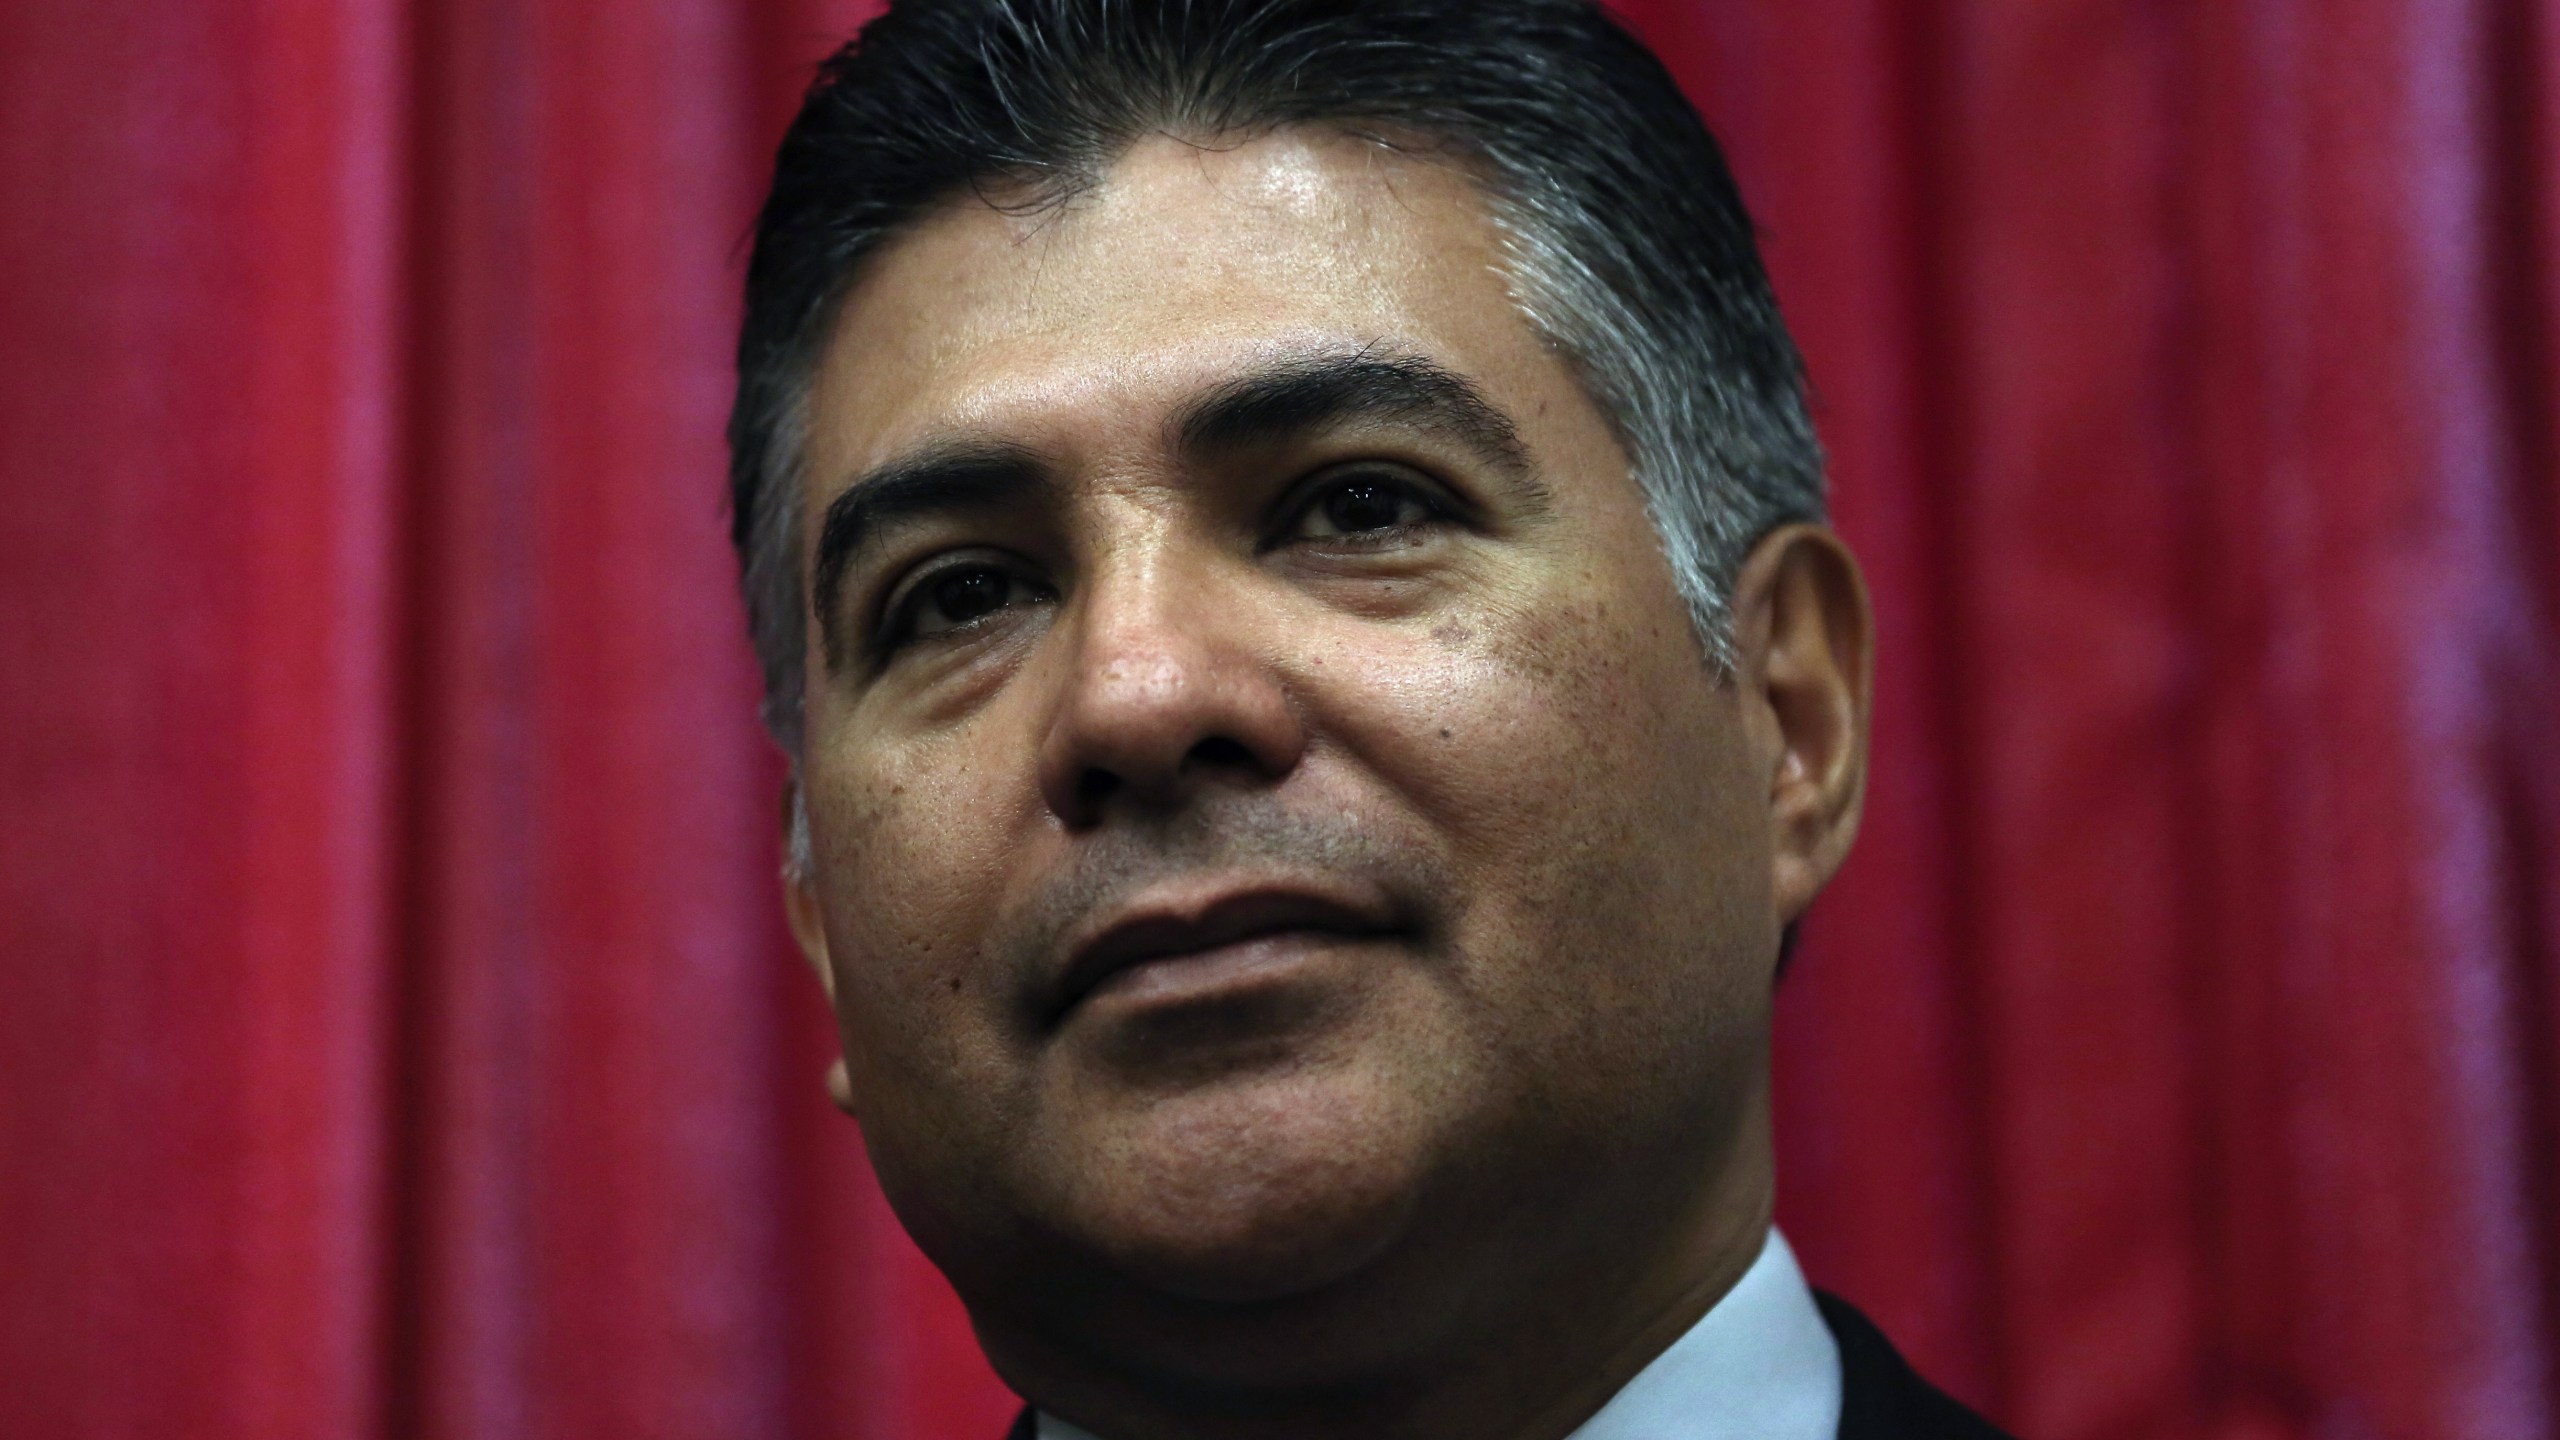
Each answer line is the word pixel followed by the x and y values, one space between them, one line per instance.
pixel 809 930
pixel 1805 641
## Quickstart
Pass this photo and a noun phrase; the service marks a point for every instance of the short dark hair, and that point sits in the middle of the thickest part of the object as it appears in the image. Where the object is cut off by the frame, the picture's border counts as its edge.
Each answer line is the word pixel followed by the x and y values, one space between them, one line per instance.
pixel 1629 246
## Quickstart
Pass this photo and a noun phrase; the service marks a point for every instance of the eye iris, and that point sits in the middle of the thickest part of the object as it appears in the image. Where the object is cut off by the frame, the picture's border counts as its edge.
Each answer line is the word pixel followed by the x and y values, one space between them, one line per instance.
pixel 1358 507
pixel 968 595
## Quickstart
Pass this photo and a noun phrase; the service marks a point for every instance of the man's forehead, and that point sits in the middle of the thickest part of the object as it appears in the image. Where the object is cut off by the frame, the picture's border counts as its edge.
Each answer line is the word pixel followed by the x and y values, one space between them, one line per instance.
pixel 1184 263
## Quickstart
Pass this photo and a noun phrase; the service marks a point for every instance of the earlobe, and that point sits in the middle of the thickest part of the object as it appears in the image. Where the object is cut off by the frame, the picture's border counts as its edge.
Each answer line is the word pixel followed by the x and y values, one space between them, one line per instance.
pixel 1805 635
pixel 809 931
pixel 840 1087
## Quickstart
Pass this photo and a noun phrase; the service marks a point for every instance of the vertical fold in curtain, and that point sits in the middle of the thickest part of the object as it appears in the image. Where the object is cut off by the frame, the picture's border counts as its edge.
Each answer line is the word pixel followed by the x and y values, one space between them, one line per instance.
pixel 621 1206
pixel 199 409
pixel 2377 1101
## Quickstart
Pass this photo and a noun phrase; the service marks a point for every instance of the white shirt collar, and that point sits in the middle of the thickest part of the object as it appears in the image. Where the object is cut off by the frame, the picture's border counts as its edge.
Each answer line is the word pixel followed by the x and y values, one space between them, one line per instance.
pixel 1759 1365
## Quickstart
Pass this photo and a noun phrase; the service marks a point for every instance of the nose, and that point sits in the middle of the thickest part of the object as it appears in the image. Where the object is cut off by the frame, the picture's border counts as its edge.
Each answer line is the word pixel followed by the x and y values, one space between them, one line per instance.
pixel 1168 689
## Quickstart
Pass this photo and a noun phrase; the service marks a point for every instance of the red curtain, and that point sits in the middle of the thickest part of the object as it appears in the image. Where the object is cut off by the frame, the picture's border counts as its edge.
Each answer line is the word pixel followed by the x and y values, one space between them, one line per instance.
pixel 399 1038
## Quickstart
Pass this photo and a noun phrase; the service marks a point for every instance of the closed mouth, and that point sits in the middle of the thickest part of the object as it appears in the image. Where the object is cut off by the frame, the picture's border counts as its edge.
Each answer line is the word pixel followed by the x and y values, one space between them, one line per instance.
pixel 1153 934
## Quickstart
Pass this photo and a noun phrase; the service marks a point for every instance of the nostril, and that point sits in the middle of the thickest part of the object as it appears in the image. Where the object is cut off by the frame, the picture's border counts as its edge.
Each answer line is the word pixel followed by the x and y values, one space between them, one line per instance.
pixel 1095 785
pixel 1219 752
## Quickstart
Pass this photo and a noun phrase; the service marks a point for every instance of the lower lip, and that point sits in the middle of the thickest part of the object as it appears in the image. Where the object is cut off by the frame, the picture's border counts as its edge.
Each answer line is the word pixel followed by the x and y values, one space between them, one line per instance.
pixel 1200 976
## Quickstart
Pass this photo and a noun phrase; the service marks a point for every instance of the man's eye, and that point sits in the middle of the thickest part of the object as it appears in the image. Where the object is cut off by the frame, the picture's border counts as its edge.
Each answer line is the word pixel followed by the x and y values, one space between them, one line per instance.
pixel 1367 505
pixel 955 599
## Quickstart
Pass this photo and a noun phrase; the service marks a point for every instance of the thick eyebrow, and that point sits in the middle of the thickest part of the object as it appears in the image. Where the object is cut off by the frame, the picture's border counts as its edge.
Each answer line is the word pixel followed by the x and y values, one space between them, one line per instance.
pixel 1289 399
pixel 1304 395
pixel 941 479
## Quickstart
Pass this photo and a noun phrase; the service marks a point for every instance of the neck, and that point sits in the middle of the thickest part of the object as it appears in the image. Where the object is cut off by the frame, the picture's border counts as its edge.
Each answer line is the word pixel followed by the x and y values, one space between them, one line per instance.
pixel 1444 1340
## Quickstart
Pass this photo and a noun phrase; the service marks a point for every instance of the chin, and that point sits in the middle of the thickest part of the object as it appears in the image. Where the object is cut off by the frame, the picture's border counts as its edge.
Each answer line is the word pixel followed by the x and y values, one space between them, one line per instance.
pixel 1261 1191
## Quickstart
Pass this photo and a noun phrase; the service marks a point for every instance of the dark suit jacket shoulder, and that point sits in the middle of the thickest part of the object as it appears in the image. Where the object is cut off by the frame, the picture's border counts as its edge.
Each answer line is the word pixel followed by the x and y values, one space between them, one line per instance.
pixel 1881 1396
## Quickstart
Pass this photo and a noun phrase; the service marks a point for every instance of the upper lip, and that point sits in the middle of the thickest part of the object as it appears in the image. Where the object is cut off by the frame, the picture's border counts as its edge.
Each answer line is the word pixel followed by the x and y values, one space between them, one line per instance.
pixel 1153 931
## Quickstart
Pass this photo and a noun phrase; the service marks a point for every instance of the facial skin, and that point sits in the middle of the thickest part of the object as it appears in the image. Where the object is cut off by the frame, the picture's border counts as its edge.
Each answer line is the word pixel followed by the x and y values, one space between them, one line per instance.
pixel 1300 909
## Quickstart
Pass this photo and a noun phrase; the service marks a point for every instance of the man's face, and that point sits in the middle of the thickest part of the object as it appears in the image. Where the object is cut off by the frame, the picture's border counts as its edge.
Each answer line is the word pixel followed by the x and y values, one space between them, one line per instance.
pixel 1270 809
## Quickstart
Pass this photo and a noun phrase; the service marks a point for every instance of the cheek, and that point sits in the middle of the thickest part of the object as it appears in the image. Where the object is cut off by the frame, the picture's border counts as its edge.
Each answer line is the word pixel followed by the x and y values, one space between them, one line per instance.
pixel 1514 729
pixel 1586 774
pixel 908 854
